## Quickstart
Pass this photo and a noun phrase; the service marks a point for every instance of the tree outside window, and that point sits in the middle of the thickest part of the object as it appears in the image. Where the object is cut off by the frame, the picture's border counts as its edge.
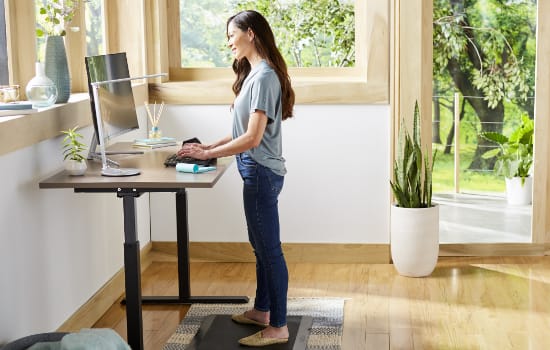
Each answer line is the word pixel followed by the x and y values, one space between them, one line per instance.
pixel 485 50
pixel 308 33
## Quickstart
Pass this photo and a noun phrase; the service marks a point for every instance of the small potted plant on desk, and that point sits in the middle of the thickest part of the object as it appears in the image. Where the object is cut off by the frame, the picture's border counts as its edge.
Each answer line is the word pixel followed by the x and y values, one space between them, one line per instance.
pixel 74 161
pixel 514 158
pixel 414 226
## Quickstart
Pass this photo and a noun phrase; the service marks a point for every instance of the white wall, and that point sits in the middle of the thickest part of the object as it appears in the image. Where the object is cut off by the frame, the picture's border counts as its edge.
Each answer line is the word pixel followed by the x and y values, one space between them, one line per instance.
pixel 336 189
pixel 57 247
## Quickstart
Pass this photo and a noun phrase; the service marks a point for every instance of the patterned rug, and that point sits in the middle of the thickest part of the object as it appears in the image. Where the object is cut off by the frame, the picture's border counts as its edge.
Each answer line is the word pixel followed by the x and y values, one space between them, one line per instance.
pixel 326 332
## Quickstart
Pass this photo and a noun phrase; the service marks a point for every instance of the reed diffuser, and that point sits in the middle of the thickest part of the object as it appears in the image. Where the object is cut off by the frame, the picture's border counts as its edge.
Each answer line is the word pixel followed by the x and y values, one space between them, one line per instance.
pixel 154 117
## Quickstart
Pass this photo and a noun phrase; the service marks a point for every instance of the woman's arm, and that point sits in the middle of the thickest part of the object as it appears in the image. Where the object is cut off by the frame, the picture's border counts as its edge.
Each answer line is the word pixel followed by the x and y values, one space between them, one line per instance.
pixel 219 143
pixel 250 139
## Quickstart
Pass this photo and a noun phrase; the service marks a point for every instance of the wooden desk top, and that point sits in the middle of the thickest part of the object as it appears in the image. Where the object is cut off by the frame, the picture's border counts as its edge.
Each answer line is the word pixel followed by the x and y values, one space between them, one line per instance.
pixel 154 175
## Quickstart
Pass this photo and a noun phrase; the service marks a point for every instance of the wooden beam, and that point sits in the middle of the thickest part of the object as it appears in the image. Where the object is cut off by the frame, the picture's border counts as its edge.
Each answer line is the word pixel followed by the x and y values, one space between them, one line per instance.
pixel 541 187
pixel 413 60
pixel 21 41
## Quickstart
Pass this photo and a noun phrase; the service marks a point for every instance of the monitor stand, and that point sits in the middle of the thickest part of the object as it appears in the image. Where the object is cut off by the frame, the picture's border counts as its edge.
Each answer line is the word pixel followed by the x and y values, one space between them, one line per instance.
pixel 108 171
pixel 111 167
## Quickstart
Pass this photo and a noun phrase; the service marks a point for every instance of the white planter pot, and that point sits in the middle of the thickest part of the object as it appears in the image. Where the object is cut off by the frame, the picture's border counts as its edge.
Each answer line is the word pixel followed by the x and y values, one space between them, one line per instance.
pixel 518 194
pixel 75 168
pixel 414 240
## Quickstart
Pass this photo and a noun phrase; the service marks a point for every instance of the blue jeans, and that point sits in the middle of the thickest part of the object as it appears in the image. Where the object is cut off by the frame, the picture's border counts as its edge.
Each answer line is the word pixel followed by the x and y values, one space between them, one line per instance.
pixel 261 188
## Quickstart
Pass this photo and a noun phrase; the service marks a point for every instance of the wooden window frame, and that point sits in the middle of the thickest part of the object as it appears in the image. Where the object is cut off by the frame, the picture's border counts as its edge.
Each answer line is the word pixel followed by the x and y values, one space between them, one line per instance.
pixel 21 40
pixel 367 82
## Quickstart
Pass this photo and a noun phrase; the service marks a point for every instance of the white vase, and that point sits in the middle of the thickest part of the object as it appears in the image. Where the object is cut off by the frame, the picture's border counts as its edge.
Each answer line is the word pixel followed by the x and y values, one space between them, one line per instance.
pixel 41 90
pixel 518 193
pixel 414 240
pixel 74 167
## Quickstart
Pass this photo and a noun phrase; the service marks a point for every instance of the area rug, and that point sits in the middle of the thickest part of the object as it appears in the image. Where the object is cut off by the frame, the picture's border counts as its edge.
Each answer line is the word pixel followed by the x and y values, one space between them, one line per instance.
pixel 326 331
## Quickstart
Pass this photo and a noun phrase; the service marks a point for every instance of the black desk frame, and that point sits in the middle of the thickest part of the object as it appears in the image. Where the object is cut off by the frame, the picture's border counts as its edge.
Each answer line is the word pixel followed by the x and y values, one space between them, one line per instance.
pixel 132 264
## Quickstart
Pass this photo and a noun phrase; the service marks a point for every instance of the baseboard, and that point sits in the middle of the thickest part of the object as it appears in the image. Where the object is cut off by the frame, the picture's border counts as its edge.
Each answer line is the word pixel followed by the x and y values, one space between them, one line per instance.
pixel 89 313
pixel 327 253
pixel 494 249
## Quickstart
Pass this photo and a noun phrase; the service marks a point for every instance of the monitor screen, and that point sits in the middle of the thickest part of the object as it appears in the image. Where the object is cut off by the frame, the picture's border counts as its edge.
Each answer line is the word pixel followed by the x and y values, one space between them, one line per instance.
pixel 118 110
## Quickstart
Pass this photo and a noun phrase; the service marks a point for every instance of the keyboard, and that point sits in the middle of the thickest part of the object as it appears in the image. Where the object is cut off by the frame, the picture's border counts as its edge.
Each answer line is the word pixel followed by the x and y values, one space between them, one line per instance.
pixel 173 159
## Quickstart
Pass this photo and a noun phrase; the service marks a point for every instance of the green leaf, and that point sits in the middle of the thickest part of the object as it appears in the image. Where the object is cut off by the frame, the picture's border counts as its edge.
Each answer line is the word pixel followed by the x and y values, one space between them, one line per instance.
pixel 490 154
pixel 71 145
pixel 494 137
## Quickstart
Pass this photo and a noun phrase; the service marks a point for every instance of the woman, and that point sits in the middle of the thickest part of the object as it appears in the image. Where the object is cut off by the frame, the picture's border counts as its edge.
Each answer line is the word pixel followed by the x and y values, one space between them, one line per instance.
pixel 264 97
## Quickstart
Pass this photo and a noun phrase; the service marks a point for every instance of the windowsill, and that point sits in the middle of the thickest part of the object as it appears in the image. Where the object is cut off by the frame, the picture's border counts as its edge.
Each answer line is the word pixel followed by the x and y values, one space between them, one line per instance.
pixel 308 91
pixel 21 131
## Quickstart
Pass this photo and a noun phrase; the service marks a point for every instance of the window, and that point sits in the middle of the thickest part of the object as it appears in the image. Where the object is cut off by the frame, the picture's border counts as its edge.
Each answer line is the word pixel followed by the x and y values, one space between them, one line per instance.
pixel 4 73
pixel 95 35
pixel 363 79
pixel 309 34
pixel 485 51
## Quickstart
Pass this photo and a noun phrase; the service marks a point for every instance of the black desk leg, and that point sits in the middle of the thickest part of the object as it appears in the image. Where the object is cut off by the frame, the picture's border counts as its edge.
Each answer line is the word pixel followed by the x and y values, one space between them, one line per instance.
pixel 182 226
pixel 184 284
pixel 132 273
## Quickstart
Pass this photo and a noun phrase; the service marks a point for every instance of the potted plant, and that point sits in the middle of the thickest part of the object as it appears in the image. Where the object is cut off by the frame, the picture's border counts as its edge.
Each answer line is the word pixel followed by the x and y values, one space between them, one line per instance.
pixel 414 227
pixel 514 159
pixel 74 161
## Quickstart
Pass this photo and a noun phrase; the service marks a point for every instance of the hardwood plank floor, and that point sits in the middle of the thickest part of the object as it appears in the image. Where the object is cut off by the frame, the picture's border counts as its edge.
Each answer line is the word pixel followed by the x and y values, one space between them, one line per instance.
pixel 467 303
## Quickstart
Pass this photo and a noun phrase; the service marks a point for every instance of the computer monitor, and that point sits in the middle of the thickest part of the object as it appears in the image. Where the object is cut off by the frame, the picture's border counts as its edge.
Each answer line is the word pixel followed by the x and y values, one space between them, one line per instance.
pixel 116 99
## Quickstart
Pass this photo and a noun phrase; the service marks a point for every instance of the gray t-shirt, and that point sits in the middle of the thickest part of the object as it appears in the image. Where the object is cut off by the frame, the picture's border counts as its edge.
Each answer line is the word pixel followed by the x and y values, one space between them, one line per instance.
pixel 261 90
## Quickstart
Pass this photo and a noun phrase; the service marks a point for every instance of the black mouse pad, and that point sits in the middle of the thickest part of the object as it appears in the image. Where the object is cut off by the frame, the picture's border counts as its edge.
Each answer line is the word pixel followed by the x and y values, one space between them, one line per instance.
pixel 219 332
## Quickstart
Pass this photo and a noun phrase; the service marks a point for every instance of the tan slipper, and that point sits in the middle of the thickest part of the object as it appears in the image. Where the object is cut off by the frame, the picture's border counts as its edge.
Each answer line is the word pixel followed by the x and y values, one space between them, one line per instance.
pixel 257 340
pixel 242 319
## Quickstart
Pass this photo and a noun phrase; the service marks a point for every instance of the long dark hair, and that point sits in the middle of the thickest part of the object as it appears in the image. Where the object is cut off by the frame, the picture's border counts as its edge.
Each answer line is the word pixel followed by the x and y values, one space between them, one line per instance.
pixel 264 41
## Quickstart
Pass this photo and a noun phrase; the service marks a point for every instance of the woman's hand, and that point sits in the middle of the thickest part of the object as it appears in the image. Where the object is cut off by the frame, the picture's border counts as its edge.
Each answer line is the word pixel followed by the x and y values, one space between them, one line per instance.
pixel 194 150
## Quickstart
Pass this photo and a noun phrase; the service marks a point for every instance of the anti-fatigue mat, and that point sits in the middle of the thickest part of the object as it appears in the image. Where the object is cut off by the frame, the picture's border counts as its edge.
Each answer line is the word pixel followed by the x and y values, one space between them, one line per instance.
pixel 219 332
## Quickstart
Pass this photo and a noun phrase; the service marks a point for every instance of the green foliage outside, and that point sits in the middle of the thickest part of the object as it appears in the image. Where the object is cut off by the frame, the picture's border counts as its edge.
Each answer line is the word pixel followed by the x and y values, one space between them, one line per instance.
pixel 485 50
pixel 309 33
pixel 470 181
pixel 95 41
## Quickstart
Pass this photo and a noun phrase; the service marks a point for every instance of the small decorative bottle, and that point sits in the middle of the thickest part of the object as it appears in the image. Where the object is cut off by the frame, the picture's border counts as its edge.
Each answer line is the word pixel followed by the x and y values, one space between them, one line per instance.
pixel 155 133
pixel 41 90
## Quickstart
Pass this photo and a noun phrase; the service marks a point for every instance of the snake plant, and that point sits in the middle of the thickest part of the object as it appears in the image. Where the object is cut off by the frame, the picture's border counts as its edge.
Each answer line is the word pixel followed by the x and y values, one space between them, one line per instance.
pixel 412 170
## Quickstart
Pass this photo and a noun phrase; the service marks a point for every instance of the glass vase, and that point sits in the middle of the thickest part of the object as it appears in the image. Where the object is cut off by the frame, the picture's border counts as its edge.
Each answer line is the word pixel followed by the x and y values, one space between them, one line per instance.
pixel 41 90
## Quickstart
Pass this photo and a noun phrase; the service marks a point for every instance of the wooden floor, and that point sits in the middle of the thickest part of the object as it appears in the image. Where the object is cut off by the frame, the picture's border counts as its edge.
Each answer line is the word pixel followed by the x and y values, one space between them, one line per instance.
pixel 467 303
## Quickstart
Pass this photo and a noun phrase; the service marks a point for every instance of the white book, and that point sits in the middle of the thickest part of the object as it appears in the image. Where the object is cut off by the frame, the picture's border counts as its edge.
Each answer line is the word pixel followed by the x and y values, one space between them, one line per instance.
pixel 154 145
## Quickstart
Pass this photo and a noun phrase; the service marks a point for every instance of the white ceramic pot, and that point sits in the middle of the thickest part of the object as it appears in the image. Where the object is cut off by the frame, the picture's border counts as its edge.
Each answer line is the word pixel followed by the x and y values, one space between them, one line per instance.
pixel 414 240
pixel 75 168
pixel 518 193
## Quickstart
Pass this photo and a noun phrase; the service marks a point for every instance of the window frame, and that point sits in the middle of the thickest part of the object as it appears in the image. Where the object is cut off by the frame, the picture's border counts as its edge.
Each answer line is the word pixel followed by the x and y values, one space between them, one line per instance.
pixel 4 71
pixel 366 82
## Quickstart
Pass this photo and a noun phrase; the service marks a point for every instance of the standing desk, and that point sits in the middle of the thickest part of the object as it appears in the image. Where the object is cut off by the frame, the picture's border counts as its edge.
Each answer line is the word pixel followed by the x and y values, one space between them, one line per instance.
pixel 154 177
